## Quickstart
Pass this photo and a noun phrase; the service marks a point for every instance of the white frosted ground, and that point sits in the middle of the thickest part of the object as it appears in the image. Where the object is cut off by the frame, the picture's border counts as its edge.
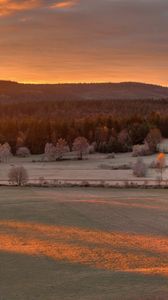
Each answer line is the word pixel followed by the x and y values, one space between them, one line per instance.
pixel 85 170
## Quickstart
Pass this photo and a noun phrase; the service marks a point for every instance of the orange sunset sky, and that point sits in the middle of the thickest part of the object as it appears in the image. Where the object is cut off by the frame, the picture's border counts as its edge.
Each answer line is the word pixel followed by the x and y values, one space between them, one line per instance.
pixel 84 40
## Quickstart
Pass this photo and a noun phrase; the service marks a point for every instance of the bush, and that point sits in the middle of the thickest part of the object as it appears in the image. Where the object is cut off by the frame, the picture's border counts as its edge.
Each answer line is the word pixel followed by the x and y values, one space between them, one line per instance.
pixel 85 183
pixel 140 168
pixel 23 152
pixel 115 167
pixel 140 150
pixel 110 156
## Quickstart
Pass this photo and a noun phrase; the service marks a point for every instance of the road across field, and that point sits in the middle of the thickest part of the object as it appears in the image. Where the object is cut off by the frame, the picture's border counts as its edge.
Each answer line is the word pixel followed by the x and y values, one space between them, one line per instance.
pixel 82 244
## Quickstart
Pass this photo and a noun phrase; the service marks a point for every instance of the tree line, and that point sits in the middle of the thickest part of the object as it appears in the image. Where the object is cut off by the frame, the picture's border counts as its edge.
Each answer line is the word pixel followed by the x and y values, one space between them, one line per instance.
pixel 112 125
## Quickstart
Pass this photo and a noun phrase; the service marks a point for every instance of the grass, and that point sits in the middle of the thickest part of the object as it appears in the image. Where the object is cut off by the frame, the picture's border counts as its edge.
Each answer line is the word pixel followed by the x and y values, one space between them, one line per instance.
pixel 85 170
pixel 83 244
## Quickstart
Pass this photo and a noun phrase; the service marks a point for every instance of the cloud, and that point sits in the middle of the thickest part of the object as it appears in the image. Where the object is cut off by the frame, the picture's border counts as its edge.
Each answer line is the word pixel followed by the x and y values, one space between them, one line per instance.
pixel 65 4
pixel 8 7
pixel 101 40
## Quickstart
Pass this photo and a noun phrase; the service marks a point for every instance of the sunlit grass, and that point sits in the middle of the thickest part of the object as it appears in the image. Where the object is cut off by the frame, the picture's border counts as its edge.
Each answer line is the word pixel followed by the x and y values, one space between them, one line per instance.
pixel 105 250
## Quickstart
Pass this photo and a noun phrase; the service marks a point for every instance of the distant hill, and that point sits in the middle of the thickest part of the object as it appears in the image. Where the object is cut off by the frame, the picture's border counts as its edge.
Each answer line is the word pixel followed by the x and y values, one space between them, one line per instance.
pixel 11 91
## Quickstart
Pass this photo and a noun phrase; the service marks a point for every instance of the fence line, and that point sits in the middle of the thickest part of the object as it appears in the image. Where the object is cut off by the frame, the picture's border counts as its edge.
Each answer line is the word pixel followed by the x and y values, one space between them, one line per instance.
pixel 92 182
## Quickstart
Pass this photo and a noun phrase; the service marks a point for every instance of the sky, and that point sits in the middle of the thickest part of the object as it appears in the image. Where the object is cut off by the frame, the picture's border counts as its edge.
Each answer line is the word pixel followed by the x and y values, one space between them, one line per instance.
pixel 51 41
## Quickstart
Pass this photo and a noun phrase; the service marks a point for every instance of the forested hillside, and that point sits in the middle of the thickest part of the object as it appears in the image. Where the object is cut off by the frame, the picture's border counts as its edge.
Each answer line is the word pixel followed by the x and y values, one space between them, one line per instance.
pixel 16 91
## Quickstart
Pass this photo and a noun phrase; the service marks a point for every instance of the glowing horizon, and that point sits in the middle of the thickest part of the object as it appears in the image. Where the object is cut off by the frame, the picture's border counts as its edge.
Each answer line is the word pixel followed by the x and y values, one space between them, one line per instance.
pixel 84 41
pixel 82 82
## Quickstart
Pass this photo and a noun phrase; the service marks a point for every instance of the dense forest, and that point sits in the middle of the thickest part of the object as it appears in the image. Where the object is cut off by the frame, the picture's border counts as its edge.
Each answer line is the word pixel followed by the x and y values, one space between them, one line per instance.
pixel 115 125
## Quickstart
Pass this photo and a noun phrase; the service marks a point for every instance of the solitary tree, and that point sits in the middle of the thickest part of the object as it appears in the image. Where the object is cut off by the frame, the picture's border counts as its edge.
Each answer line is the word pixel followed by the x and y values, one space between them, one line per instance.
pixel 18 175
pixel 161 164
pixel 81 145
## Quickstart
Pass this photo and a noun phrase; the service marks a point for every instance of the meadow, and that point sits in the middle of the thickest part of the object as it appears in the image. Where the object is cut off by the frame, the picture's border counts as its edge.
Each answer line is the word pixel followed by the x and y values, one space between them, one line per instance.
pixel 83 244
pixel 94 167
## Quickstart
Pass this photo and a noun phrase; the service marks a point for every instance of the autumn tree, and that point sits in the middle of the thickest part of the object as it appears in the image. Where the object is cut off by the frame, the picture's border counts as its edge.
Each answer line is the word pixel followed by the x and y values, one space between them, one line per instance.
pixel 160 164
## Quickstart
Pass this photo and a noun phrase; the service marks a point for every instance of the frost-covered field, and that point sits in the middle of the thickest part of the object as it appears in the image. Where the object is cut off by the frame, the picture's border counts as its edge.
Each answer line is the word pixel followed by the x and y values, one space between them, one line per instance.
pixel 87 244
pixel 89 168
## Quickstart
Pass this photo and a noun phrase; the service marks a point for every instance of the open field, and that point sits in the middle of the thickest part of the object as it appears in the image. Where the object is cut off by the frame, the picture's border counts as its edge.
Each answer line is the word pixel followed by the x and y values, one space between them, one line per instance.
pixel 90 168
pixel 80 244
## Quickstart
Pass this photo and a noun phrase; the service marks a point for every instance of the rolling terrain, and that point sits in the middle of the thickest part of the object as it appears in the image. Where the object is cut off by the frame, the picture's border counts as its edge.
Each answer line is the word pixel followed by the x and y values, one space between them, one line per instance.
pixel 126 90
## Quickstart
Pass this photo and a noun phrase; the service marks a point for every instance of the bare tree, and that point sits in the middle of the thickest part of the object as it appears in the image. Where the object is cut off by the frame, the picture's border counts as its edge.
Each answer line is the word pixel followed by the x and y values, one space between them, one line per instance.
pixel 18 175
pixel 80 145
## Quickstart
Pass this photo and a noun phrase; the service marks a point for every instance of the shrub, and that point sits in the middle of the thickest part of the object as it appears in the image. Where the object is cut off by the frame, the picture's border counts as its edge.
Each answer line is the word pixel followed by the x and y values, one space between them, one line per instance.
pixel 18 175
pixel 110 156
pixel 140 168
pixel 85 183
pixel 23 152
pixel 140 150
